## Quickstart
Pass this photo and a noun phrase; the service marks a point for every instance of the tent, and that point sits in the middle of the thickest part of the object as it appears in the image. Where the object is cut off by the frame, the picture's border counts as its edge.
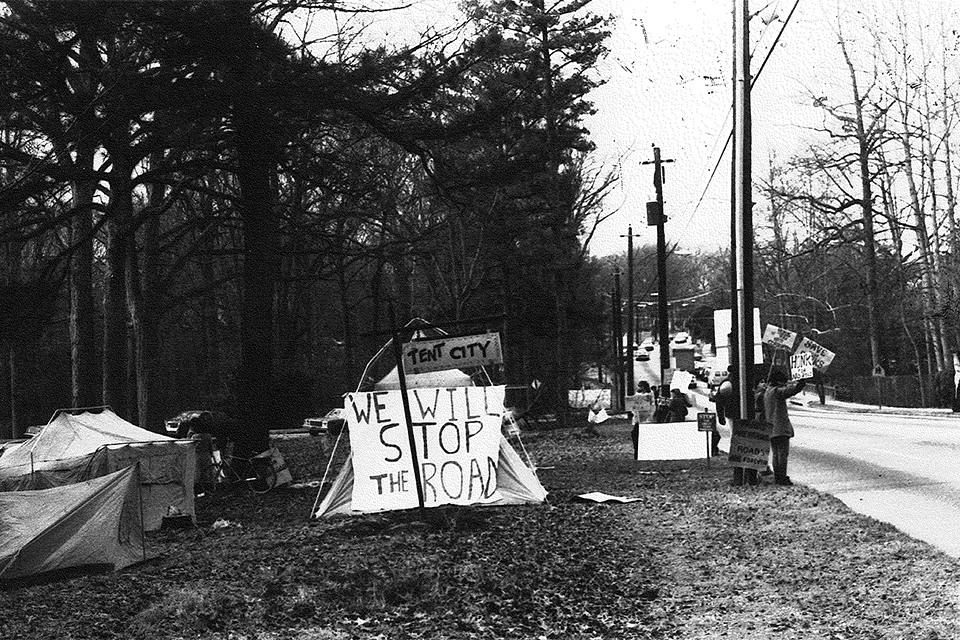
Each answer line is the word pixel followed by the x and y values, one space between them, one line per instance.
pixel 77 447
pixel 517 483
pixel 96 522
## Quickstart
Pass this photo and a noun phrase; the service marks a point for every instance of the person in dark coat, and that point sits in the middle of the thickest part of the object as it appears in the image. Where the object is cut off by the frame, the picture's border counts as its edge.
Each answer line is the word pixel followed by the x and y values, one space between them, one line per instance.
pixel 679 403
pixel 775 413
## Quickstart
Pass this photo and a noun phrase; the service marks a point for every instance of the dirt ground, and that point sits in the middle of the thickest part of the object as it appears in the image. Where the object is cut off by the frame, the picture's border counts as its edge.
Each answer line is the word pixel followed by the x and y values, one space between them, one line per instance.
pixel 694 557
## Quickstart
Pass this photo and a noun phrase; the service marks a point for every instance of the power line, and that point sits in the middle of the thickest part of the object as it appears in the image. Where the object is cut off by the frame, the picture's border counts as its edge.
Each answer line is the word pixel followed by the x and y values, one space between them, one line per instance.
pixel 726 145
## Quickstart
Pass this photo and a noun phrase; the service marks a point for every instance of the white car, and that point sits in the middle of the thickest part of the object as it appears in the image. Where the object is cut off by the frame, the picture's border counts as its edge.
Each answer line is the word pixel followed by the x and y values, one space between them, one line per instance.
pixel 647 345
pixel 682 337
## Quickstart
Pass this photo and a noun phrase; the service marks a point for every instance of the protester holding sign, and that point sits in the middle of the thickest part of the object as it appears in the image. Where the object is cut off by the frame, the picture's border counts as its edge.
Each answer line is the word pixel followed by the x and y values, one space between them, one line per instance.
pixel 775 413
pixel 640 405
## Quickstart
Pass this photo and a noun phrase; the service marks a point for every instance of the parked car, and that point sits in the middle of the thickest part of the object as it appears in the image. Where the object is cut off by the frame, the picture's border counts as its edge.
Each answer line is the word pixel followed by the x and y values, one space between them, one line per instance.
pixel 332 422
pixel 643 356
pixel 682 337
pixel 717 376
pixel 647 345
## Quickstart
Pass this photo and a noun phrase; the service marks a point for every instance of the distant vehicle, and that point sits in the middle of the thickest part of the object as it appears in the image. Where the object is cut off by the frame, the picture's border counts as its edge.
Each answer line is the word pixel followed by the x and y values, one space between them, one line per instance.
pixel 332 423
pixel 682 337
pixel 647 344
pixel 643 356
pixel 716 378
pixel 216 423
pixel 692 384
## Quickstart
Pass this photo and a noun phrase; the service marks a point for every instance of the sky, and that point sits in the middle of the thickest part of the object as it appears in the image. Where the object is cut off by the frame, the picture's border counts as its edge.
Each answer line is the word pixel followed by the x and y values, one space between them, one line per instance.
pixel 667 82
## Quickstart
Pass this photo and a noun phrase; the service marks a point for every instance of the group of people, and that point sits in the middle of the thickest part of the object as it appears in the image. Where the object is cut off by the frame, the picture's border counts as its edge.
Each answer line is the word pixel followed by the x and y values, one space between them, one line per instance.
pixel 650 405
pixel 770 405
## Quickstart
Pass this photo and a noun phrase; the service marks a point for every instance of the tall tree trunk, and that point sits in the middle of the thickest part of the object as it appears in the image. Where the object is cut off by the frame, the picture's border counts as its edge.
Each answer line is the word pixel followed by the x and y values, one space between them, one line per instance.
pixel 256 164
pixel 85 391
pixel 866 213
pixel 114 310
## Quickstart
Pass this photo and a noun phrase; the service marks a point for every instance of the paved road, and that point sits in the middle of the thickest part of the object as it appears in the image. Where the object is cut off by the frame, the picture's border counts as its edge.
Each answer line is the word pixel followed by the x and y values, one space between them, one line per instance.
pixel 901 469
pixel 897 468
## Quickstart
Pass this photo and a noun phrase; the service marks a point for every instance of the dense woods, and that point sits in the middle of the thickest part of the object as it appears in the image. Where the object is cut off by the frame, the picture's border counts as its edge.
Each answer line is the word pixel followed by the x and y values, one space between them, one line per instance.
pixel 224 222
pixel 227 222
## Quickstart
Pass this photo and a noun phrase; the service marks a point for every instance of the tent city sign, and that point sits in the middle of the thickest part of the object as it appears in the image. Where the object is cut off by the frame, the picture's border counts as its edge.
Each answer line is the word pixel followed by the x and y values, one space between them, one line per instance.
pixel 421 356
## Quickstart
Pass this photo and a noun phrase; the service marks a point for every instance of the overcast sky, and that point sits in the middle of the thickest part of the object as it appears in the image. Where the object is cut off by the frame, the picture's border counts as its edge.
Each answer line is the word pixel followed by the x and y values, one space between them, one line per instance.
pixel 668 82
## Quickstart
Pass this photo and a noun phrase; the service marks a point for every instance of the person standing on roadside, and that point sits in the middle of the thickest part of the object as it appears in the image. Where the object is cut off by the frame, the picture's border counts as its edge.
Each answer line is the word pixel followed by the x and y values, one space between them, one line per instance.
pixel 641 406
pixel 775 413
pixel 679 403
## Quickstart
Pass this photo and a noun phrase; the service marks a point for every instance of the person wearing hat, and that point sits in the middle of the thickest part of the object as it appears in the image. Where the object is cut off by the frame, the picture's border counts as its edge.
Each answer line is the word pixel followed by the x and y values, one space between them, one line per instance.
pixel 775 413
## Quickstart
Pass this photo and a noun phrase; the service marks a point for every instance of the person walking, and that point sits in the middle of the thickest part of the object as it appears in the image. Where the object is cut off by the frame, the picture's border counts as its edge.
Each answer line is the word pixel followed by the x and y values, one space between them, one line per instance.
pixel 641 407
pixel 775 413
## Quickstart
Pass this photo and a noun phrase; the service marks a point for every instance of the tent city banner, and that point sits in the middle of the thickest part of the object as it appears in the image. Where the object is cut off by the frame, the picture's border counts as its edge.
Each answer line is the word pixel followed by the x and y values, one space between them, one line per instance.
pixel 421 356
pixel 456 434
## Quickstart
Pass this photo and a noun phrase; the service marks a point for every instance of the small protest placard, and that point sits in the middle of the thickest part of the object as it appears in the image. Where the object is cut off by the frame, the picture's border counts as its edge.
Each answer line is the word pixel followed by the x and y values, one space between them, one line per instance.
pixel 681 380
pixel 421 356
pixel 749 444
pixel 801 366
pixel 778 338
pixel 706 421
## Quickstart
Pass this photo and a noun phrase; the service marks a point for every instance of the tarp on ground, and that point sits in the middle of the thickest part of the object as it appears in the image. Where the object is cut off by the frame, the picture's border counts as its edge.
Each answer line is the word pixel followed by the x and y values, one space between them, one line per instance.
pixel 78 447
pixel 96 522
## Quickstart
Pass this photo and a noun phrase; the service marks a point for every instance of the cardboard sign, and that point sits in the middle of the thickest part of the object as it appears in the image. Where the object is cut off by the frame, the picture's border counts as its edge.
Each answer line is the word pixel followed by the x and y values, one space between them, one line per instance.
pixel 801 366
pixel 421 356
pixel 706 421
pixel 681 380
pixel 822 357
pixel 749 444
pixel 778 338
pixel 457 439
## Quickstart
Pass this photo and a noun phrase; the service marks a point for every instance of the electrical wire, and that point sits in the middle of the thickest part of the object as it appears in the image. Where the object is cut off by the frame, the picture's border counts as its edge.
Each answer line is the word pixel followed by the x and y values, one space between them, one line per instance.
pixel 726 145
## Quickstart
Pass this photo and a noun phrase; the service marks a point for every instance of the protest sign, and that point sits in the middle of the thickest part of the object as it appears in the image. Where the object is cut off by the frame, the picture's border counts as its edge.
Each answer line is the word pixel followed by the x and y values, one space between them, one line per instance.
pixel 822 357
pixel 456 432
pixel 778 338
pixel 801 366
pixel 749 444
pixel 421 356
pixel 681 380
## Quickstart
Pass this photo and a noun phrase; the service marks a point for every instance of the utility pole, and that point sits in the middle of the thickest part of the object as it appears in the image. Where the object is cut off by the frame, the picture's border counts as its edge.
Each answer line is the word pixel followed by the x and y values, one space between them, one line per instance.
pixel 741 240
pixel 655 216
pixel 631 339
pixel 618 402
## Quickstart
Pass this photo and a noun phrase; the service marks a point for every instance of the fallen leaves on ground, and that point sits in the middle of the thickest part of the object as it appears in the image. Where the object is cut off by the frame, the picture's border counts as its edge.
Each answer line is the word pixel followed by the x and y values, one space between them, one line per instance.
pixel 693 558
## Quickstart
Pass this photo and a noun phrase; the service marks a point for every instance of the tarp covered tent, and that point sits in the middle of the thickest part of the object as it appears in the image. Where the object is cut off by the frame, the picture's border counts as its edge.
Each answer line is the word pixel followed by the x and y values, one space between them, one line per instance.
pixel 77 447
pixel 517 483
pixel 96 522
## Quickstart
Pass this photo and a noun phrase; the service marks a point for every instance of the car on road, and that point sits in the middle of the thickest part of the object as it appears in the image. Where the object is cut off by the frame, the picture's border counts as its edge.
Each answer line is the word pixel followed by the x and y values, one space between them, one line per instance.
pixel 647 345
pixel 682 337
pixel 643 356
pixel 330 423
pixel 716 378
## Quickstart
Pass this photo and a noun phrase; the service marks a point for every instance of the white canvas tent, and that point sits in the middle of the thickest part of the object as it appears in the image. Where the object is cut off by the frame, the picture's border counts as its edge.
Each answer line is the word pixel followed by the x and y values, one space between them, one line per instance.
pixel 74 448
pixel 517 483
pixel 96 522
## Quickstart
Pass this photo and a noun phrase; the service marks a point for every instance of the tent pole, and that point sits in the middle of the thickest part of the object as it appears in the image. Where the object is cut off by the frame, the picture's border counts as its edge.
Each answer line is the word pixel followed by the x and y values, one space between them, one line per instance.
pixel 401 377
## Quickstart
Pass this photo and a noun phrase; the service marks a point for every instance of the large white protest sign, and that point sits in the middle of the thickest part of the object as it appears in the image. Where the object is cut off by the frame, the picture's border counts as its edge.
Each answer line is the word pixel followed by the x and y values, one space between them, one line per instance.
pixel 421 356
pixel 456 433
pixel 778 337
pixel 722 327
pixel 822 357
